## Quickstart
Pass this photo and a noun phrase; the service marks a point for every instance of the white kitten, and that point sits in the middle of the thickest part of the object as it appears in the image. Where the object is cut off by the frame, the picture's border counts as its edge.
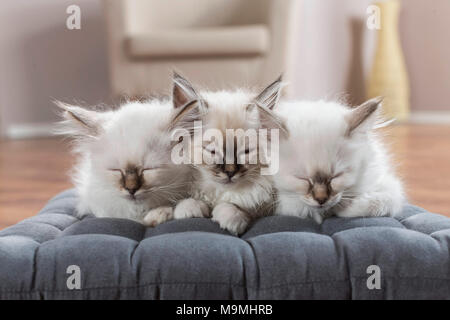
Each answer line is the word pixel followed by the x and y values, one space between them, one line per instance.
pixel 237 193
pixel 124 168
pixel 334 163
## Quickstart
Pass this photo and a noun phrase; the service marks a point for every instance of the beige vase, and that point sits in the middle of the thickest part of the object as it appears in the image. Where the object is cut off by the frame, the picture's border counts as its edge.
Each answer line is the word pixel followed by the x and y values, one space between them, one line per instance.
pixel 388 76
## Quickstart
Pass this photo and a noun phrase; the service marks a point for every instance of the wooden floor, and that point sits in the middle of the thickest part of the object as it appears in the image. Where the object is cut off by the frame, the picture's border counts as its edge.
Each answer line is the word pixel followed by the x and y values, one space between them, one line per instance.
pixel 32 171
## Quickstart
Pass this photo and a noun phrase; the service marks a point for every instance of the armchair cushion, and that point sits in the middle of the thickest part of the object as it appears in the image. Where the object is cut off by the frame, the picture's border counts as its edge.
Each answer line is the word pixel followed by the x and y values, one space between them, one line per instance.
pixel 200 42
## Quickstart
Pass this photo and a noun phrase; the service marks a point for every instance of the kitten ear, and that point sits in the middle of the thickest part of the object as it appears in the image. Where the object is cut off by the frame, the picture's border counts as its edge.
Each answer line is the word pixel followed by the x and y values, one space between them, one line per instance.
pixel 267 119
pixel 182 92
pixel 363 118
pixel 185 118
pixel 269 97
pixel 79 122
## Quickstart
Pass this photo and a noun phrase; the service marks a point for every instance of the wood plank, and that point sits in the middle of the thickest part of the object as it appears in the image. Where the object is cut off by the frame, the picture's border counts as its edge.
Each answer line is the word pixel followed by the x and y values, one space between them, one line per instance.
pixel 31 172
pixel 422 157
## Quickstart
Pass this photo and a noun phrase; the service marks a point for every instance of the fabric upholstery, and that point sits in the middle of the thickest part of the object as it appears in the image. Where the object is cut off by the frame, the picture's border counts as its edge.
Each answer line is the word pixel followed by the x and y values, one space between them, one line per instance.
pixel 279 257
pixel 228 41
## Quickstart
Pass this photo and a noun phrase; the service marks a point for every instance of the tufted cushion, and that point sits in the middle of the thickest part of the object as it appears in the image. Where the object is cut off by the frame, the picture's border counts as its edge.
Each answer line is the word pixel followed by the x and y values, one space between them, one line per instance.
pixel 279 257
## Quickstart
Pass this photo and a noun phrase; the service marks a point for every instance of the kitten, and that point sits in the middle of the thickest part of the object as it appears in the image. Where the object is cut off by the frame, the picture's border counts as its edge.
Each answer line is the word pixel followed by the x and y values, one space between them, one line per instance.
pixel 236 191
pixel 334 164
pixel 124 168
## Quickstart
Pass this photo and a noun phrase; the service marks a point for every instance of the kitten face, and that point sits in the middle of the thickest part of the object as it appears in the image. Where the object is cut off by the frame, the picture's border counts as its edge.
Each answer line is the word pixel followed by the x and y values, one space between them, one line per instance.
pixel 226 161
pixel 234 169
pixel 137 182
pixel 321 163
pixel 321 184
pixel 133 160
pixel 128 151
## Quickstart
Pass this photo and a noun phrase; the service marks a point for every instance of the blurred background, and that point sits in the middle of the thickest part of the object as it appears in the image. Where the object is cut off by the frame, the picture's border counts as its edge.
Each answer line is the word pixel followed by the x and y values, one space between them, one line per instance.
pixel 94 51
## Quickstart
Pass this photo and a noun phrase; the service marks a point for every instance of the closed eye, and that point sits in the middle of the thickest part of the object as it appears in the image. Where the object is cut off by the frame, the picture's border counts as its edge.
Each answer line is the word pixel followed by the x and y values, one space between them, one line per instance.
pixel 247 151
pixel 212 151
pixel 117 170
pixel 305 179
pixel 148 169
pixel 337 175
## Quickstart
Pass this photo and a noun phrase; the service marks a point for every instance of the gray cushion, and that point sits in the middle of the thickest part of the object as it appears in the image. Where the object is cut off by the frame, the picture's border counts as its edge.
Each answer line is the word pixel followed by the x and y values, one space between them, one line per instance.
pixel 279 257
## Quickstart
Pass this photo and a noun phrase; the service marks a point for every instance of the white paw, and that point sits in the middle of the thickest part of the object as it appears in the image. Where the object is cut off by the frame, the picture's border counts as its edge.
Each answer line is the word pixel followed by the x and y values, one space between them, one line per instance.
pixel 317 217
pixel 157 216
pixel 191 208
pixel 346 213
pixel 359 208
pixel 230 218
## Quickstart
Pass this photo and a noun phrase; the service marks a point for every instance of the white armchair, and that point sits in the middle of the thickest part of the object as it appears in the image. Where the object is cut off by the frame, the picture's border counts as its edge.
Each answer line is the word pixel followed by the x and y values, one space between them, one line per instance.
pixel 219 43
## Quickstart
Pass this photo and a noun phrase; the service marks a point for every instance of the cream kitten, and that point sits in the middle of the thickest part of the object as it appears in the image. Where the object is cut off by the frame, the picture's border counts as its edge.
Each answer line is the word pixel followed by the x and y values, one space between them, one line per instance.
pixel 124 168
pixel 334 164
pixel 236 192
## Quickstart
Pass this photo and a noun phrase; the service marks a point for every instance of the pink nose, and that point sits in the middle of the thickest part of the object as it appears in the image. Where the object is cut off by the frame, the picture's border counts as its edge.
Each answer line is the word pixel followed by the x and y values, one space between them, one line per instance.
pixel 320 193
pixel 132 191
pixel 230 170
pixel 132 181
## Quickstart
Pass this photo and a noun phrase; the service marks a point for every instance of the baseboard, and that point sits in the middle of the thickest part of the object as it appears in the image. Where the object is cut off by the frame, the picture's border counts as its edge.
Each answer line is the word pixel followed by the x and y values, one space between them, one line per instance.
pixel 429 117
pixel 30 130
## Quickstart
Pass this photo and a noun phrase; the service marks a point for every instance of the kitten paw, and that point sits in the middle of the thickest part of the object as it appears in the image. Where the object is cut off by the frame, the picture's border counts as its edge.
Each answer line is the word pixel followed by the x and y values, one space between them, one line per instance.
pixel 317 217
pixel 359 208
pixel 157 216
pixel 191 208
pixel 230 218
pixel 346 214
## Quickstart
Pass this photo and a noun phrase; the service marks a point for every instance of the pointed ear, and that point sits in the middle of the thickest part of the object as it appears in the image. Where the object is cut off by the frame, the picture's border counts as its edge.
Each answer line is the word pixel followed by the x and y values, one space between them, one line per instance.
pixel 182 92
pixel 363 118
pixel 79 122
pixel 185 118
pixel 267 119
pixel 269 97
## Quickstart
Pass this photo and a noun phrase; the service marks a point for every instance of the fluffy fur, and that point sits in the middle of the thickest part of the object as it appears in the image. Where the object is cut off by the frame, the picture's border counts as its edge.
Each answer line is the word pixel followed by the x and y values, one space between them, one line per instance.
pixel 236 193
pixel 334 164
pixel 124 168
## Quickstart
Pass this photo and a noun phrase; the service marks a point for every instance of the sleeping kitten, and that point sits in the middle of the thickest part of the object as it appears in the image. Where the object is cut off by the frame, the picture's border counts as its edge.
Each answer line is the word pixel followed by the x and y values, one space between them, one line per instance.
pixel 236 191
pixel 124 168
pixel 334 164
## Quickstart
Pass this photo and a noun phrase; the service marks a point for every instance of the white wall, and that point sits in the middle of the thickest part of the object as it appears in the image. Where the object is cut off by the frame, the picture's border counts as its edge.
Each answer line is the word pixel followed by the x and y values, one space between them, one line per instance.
pixel 41 60
pixel 334 57
pixel 424 30
pixel 334 49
